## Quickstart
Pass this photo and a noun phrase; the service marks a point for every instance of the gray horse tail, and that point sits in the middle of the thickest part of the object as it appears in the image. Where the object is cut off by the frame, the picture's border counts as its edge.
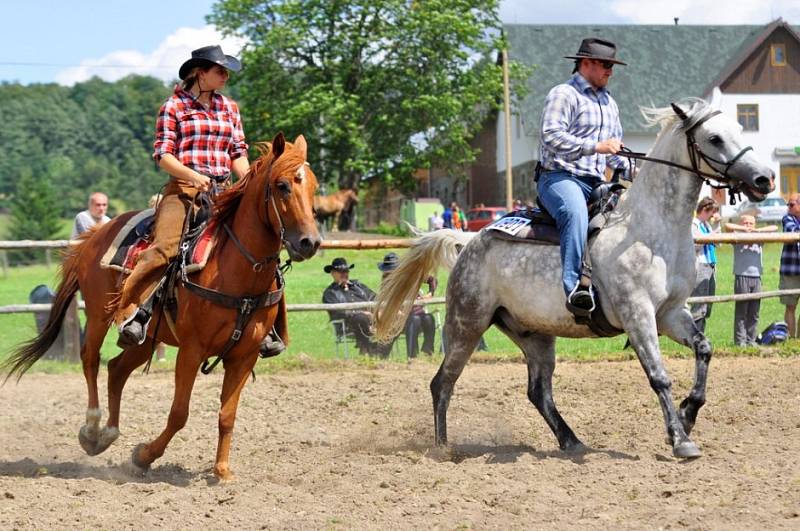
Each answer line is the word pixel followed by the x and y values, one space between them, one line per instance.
pixel 399 290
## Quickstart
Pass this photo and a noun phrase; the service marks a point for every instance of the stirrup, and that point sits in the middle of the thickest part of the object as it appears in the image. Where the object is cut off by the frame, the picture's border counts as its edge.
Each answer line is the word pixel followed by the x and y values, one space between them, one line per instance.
pixel 271 345
pixel 580 311
pixel 133 331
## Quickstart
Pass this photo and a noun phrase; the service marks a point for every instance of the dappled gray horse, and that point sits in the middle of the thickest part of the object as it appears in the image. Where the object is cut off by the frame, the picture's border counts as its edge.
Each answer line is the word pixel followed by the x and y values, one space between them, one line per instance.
pixel 644 271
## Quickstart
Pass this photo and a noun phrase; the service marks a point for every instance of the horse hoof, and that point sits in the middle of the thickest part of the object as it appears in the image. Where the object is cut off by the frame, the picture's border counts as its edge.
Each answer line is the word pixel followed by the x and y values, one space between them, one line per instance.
pixel 87 437
pixel 136 460
pixel 224 475
pixel 107 437
pixel 576 447
pixel 686 450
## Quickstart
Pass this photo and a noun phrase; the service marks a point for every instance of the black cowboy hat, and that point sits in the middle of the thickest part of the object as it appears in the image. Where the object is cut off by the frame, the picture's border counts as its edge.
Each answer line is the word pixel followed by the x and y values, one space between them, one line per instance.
pixel 209 54
pixel 390 262
pixel 593 48
pixel 338 264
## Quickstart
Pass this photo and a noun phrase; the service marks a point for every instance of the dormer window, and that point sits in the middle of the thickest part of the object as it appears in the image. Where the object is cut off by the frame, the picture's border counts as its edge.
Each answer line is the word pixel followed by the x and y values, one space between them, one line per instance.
pixel 777 55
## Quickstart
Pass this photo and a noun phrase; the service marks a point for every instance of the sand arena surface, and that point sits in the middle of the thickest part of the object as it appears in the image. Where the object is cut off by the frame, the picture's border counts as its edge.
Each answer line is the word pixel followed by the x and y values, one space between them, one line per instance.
pixel 352 449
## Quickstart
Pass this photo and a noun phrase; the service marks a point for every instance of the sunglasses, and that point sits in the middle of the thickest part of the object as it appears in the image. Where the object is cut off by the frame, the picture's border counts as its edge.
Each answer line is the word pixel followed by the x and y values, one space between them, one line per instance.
pixel 608 65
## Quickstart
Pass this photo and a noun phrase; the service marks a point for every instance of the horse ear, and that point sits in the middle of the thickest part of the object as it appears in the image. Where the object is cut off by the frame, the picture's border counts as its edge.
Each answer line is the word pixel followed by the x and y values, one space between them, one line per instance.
pixel 680 112
pixel 300 143
pixel 278 145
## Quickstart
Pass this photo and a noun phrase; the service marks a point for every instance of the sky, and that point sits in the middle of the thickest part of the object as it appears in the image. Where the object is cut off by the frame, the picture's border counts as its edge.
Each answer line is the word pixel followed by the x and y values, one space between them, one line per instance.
pixel 68 41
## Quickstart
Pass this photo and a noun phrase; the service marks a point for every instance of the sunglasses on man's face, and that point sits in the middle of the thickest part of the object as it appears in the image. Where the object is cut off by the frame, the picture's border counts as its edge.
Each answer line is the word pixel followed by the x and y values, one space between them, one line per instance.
pixel 608 65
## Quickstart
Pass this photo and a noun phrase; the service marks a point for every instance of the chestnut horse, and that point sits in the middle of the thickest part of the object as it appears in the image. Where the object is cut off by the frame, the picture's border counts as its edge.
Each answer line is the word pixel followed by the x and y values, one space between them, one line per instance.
pixel 332 206
pixel 270 207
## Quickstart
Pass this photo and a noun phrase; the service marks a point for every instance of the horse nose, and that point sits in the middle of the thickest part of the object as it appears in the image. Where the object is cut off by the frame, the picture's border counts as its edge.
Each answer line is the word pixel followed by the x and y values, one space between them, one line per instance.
pixel 765 184
pixel 309 246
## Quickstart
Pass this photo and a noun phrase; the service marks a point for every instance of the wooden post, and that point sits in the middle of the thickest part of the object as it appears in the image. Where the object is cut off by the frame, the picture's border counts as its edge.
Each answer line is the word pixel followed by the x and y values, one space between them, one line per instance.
pixel 507 109
pixel 4 263
pixel 71 329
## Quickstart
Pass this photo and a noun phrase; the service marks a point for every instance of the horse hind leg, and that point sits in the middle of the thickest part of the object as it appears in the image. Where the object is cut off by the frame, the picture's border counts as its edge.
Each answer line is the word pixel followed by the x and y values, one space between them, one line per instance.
pixel 462 338
pixel 540 355
pixel 89 433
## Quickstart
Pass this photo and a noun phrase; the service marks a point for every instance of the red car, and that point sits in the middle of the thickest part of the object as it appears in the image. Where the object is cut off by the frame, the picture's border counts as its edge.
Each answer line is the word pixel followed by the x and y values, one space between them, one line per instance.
pixel 478 218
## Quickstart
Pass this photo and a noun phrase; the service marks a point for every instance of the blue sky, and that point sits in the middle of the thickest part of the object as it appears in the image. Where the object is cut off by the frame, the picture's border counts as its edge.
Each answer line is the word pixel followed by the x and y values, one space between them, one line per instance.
pixel 66 41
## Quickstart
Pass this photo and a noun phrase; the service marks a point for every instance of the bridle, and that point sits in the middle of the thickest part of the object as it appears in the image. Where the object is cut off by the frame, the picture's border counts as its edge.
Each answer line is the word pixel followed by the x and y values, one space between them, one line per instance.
pixel 720 175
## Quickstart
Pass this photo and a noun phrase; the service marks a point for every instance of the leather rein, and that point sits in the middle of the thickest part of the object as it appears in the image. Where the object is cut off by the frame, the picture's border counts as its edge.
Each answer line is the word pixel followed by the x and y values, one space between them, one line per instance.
pixel 695 156
pixel 245 305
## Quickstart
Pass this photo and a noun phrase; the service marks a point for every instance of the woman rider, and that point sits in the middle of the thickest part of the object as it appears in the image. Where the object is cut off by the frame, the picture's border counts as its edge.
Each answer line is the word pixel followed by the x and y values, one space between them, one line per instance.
pixel 199 140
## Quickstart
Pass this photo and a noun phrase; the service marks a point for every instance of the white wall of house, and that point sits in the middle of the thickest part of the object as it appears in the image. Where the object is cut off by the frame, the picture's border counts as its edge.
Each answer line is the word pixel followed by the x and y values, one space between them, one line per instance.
pixel 778 126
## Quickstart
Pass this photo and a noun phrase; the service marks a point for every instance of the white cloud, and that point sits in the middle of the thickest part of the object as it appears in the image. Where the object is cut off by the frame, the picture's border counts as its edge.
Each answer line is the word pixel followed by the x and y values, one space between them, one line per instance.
pixel 163 62
pixel 707 11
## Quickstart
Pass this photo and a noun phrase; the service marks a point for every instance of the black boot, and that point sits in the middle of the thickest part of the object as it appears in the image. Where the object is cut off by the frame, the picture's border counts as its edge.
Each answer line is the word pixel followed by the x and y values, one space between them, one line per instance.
pixel 272 345
pixel 581 302
pixel 134 331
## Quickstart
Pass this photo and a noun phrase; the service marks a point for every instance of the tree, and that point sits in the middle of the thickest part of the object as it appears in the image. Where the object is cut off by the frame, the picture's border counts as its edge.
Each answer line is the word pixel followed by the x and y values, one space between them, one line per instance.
pixel 380 88
pixel 34 213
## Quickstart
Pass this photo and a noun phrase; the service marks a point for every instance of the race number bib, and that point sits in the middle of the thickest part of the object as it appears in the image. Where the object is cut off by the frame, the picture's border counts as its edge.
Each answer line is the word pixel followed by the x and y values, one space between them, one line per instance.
pixel 510 225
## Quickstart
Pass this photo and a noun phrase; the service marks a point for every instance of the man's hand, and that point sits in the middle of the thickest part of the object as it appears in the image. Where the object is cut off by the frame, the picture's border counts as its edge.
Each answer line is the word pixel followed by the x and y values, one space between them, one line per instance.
pixel 612 146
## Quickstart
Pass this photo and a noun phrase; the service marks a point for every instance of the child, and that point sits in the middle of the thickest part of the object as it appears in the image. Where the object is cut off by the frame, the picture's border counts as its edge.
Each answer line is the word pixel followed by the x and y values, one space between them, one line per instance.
pixel 747 269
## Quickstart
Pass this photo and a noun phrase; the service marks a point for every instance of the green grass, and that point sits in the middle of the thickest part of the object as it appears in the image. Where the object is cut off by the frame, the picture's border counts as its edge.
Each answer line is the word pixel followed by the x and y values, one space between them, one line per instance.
pixel 312 337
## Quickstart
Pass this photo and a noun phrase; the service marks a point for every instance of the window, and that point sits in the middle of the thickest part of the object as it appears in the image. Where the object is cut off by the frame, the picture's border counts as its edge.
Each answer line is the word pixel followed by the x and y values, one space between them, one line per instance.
pixel 777 54
pixel 747 114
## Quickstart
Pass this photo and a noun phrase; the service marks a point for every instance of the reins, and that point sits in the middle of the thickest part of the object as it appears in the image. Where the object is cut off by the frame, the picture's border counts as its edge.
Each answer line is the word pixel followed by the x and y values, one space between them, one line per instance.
pixel 695 155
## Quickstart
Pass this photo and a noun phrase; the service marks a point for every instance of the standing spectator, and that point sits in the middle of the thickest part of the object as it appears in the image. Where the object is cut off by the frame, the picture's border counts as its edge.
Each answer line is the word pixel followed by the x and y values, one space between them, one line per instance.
pixel 94 215
pixel 447 216
pixel 435 222
pixel 459 220
pixel 706 215
pixel 747 268
pixel 418 320
pixel 790 264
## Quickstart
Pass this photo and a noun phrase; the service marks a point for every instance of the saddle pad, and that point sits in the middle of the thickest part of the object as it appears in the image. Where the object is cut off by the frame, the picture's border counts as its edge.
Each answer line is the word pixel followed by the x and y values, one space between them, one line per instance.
pixel 525 226
pixel 129 242
pixel 134 238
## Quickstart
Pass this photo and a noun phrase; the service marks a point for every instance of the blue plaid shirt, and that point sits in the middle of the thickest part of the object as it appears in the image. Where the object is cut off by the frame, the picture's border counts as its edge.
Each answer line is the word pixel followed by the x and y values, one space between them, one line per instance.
pixel 574 120
pixel 790 257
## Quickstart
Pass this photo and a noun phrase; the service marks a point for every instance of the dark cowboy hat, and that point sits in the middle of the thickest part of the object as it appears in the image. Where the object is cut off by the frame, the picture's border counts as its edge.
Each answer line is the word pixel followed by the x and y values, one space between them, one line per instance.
pixel 390 262
pixel 338 264
pixel 206 55
pixel 593 48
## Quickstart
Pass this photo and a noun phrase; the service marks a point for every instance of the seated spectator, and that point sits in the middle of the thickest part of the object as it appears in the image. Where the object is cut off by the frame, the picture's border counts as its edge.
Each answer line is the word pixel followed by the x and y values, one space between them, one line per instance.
pixel 359 322
pixel 418 320
pixel 94 215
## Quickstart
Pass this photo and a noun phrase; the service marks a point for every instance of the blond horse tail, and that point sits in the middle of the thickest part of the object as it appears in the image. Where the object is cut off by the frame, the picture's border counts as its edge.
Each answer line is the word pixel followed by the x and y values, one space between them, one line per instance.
pixel 399 290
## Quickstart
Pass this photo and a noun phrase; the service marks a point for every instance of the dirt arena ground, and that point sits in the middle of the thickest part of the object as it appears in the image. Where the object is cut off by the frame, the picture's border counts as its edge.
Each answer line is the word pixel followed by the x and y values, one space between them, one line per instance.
pixel 352 449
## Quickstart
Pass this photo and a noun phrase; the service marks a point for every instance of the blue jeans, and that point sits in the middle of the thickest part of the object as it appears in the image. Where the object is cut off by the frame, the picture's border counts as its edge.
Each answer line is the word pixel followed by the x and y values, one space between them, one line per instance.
pixel 564 195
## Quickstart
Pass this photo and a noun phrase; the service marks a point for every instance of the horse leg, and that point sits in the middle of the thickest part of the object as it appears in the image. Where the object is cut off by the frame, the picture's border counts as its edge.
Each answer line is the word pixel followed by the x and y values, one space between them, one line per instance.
pixel 540 354
pixel 119 369
pixel 236 375
pixel 187 365
pixel 462 340
pixel 680 327
pixel 644 339
pixel 89 433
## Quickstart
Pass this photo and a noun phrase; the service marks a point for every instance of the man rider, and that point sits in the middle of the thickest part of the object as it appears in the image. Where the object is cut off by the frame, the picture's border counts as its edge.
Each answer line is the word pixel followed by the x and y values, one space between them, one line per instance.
pixel 580 136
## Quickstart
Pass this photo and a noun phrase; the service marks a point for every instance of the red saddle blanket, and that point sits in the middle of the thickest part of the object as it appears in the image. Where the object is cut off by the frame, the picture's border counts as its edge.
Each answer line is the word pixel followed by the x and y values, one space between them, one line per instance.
pixel 134 238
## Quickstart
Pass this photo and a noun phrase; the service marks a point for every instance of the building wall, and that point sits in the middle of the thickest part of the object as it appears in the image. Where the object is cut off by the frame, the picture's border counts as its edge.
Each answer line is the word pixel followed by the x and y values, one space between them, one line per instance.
pixel 778 126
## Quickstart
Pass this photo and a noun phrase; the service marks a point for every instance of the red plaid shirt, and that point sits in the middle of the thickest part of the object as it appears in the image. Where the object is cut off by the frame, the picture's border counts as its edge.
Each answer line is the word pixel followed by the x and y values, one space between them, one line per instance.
pixel 206 140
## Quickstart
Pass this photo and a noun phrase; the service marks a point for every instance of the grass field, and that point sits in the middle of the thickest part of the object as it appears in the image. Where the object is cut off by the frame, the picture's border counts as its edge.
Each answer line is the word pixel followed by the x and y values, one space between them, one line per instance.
pixel 311 335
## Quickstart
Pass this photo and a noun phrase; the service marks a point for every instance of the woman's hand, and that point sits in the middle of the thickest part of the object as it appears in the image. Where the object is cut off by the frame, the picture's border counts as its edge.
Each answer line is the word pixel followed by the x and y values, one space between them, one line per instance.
pixel 202 182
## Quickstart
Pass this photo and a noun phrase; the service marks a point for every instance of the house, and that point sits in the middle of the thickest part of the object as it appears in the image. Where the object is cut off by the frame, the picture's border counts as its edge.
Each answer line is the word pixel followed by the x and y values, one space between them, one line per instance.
pixel 751 72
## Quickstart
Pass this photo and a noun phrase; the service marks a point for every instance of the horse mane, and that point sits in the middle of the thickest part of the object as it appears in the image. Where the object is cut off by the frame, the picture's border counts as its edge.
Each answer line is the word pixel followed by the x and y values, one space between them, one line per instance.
pixel 228 201
pixel 695 109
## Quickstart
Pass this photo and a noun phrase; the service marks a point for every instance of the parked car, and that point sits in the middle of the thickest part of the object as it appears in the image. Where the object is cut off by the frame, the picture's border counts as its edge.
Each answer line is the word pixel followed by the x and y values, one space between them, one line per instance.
pixel 770 210
pixel 478 218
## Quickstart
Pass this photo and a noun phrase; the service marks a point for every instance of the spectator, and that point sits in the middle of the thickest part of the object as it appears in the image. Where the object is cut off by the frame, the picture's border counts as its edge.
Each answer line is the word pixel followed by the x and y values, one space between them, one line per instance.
pixel 342 290
pixel 94 215
pixel 435 222
pixel 790 264
pixel 447 217
pixel 459 220
pixel 747 269
pixel 707 213
pixel 418 320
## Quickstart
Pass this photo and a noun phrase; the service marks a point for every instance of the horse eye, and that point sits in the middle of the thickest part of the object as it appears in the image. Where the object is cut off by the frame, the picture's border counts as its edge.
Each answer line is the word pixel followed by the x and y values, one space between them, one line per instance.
pixel 714 139
pixel 283 187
